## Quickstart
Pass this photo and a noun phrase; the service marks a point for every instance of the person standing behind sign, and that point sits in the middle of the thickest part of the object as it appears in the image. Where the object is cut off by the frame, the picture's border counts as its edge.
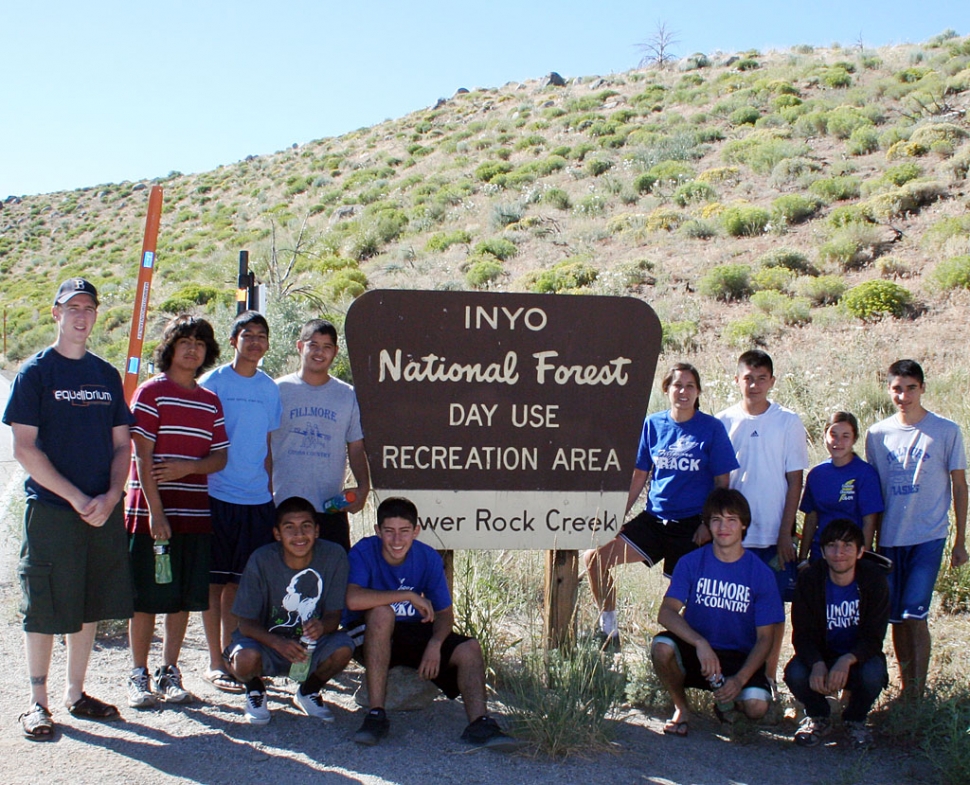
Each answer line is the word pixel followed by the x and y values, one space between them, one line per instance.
pixel 686 454
pixel 319 433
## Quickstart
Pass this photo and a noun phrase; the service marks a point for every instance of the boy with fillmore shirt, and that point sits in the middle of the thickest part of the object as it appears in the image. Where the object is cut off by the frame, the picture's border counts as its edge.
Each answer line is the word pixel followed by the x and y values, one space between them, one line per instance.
pixel 290 598
pixel 180 438
pixel 718 614
pixel 240 496
pixel 69 421
pixel 319 433
pixel 922 467
pixel 770 444
pixel 397 586
pixel 839 617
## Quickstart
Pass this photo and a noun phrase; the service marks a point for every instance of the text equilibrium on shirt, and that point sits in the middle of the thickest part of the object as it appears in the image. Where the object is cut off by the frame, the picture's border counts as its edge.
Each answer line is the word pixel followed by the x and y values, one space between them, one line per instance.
pixel 511 420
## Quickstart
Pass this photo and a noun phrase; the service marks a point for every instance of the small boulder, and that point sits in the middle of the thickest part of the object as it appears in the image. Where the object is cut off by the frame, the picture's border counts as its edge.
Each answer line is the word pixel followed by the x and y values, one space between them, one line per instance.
pixel 555 80
pixel 139 187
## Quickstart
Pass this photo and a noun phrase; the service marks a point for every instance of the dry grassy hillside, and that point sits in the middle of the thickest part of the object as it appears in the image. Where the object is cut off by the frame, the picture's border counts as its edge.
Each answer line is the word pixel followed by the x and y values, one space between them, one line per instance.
pixel 743 197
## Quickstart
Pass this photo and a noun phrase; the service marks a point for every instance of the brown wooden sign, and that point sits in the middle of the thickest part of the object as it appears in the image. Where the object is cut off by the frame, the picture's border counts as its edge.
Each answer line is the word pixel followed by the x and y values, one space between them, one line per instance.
pixel 511 420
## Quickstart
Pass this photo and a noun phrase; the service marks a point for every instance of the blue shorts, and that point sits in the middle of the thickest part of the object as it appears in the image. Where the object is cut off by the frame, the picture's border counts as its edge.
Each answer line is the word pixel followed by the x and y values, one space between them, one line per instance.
pixel 911 582
pixel 786 577
pixel 275 664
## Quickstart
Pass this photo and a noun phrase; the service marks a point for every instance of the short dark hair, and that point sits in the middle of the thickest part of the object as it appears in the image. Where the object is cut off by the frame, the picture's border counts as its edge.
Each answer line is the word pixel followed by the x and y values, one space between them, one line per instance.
pixel 669 378
pixel 848 418
pixel 757 358
pixel 722 500
pixel 186 326
pixel 909 368
pixel 315 326
pixel 245 319
pixel 291 505
pixel 842 530
pixel 397 507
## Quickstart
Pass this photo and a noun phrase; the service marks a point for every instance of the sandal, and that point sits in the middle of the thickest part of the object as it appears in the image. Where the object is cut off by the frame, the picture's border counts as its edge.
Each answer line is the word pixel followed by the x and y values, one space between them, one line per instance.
pixel 37 724
pixel 92 709
pixel 221 680
pixel 675 728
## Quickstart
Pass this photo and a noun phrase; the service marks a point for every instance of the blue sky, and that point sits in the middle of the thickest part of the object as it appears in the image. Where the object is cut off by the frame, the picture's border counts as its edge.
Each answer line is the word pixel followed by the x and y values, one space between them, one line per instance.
pixel 97 92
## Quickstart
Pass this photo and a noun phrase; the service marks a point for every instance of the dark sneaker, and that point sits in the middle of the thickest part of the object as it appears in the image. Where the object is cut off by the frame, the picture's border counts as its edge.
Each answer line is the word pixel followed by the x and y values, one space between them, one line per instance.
pixel 485 732
pixel 812 730
pixel 168 683
pixel 375 727
pixel 858 735
pixel 140 689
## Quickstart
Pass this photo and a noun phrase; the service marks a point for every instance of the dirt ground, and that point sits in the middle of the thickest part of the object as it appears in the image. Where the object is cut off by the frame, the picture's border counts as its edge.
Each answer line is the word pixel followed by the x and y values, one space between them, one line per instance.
pixel 209 741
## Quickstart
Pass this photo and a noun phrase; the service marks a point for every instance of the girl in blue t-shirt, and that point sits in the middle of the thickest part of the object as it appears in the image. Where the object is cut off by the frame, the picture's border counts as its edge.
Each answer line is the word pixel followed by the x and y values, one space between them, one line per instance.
pixel 845 486
pixel 685 454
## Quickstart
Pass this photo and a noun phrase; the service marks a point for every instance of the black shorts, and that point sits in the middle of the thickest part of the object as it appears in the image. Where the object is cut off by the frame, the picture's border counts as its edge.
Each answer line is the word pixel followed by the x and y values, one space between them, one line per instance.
pixel 335 527
pixel 189 589
pixel 655 538
pixel 71 572
pixel 756 688
pixel 407 648
pixel 237 531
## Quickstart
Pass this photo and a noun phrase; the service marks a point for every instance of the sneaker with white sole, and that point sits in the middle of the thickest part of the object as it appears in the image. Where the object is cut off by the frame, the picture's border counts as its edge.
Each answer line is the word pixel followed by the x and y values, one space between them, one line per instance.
pixel 168 684
pixel 312 705
pixel 812 730
pixel 256 711
pixel 140 689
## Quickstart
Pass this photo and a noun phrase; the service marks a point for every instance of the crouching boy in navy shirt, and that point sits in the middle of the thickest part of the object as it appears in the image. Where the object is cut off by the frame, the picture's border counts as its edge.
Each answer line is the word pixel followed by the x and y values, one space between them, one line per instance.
pixel 839 619
pixel 289 602
pixel 398 586
pixel 717 617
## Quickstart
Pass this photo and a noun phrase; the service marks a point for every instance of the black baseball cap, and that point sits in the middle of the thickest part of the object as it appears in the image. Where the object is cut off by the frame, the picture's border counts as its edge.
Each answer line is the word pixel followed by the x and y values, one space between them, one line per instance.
pixel 72 287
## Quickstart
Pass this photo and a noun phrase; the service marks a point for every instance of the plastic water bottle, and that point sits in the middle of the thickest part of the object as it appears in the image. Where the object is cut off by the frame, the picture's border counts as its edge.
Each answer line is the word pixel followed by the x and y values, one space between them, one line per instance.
pixel 163 561
pixel 717 681
pixel 339 502
pixel 300 671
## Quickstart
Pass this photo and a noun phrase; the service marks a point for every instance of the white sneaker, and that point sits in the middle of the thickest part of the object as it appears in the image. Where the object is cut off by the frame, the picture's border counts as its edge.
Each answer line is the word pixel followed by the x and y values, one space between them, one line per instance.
pixel 312 705
pixel 256 711
pixel 168 682
pixel 140 689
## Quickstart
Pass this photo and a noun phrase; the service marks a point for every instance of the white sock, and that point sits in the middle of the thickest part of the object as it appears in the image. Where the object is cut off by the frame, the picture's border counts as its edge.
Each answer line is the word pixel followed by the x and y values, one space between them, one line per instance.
pixel 608 622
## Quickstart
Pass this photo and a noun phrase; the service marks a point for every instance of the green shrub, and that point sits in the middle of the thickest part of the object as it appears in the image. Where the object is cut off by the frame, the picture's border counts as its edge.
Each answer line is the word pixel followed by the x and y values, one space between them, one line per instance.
pixel 698 229
pixel 346 284
pixel 862 141
pixel 505 214
pixel 908 199
pixel 747 64
pixel 788 258
pixel 591 204
pixel 744 115
pixel 835 189
pixel 762 149
pixel 663 219
pixel 795 208
pixel 790 170
pixel 720 175
pixel 836 77
pixel 643 183
pixel 749 331
pixel 558 198
pixel 189 296
pixel 843 120
pixel 690 193
pixel 679 336
pixel 874 299
pixel 946 229
pixel 567 275
pixel 673 172
pixel 441 241
pixel 488 170
pixel 483 272
pixel 901 174
pixel 727 282
pixel 498 247
pixel 821 290
pixel 530 141
pixel 744 220
pixel 772 278
pixel 953 273
pixel 598 166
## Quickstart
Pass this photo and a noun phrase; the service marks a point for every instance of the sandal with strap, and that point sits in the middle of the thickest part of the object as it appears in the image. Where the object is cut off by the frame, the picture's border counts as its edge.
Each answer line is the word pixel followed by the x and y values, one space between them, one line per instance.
pixel 37 723
pixel 222 680
pixel 90 708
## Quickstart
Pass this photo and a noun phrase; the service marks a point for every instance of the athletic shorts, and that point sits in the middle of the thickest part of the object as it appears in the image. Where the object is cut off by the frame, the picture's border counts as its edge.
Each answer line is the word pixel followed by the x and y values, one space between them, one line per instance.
pixel 912 579
pixel 757 687
pixel 237 531
pixel 335 527
pixel 71 572
pixel 786 578
pixel 656 538
pixel 407 648
pixel 191 555
pixel 275 664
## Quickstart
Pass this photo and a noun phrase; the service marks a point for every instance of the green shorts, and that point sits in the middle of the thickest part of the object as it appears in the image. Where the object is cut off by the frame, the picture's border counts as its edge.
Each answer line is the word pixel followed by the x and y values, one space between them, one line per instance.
pixel 71 572
pixel 189 590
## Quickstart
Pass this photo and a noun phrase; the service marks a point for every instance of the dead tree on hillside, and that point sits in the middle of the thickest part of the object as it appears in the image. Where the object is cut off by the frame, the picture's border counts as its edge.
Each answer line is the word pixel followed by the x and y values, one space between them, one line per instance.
pixel 656 49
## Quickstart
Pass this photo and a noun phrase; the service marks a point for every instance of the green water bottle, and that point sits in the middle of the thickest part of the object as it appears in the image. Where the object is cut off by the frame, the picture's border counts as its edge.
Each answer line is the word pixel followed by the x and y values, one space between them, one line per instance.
pixel 300 671
pixel 163 561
